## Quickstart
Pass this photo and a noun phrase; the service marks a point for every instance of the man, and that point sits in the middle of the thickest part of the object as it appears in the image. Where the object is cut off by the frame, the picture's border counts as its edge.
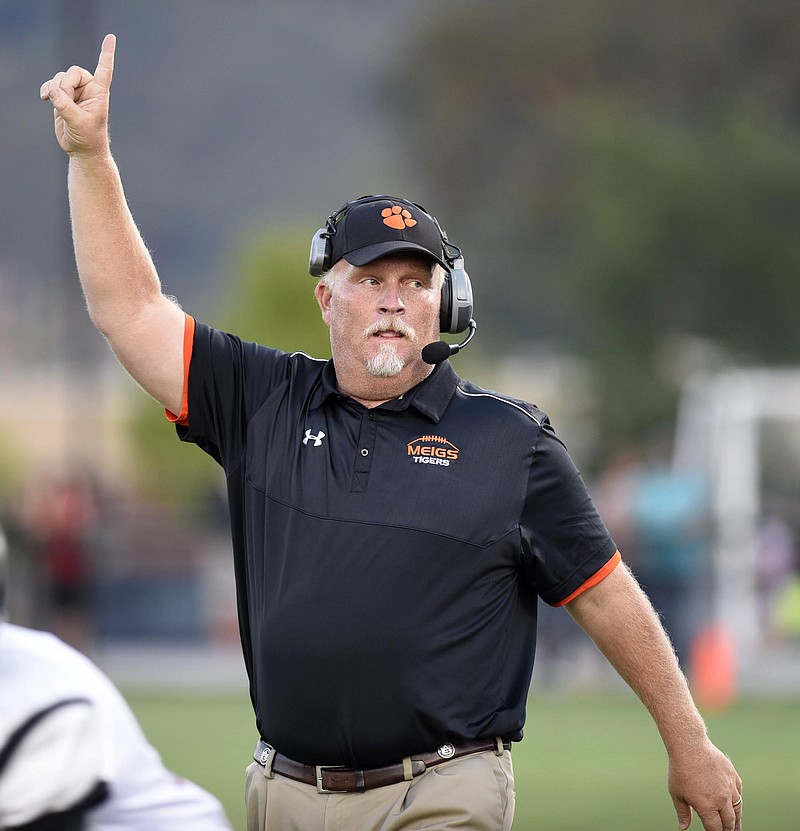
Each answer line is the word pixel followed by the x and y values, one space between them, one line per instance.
pixel 72 755
pixel 392 524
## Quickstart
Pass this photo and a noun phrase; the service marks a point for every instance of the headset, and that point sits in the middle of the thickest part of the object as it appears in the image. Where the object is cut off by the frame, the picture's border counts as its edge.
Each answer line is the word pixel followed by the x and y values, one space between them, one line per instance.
pixel 455 312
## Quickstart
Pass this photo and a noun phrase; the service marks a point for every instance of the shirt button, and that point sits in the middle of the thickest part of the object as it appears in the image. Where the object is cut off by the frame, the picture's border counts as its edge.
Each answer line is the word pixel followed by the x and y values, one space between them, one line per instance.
pixel 364 451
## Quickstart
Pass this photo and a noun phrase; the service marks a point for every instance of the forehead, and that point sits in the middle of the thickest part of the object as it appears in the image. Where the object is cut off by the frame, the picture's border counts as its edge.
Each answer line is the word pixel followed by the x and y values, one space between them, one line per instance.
pixel 403 261
pixel 392 265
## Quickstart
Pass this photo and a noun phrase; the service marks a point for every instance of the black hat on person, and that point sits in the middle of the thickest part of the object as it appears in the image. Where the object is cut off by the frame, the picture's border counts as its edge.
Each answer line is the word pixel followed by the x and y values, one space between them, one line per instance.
pixel 368 230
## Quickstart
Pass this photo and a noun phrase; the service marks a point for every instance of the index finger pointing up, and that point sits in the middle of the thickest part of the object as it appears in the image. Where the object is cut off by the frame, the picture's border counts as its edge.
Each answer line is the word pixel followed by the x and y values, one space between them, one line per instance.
pixel 105 64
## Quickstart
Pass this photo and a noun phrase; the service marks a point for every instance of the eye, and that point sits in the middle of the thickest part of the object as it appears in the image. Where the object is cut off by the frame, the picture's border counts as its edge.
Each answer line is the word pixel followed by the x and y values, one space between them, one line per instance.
pixel 370 281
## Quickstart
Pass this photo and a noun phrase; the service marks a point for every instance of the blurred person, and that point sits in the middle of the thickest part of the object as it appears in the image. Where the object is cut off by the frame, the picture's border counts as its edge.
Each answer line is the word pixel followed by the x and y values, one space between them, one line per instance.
pixel 72 755
pixel 393 525
pixel 775 572
pixel 670 515
pixel 614 493
pixel 60 517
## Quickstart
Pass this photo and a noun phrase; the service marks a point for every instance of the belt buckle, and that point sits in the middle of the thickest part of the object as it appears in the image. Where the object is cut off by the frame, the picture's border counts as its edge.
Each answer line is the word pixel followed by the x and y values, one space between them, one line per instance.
pixel 320 769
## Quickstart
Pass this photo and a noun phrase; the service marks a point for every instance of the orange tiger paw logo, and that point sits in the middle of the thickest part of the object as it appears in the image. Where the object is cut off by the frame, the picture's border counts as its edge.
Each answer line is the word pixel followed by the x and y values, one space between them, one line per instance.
pixel 397 217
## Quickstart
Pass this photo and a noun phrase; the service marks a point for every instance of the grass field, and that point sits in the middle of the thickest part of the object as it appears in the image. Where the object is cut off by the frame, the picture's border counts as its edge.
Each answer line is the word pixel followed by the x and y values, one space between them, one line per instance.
pixel 585 763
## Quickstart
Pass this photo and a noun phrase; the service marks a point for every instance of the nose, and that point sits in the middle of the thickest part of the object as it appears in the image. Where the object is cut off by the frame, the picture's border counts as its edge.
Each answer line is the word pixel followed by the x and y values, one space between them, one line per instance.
pixel 392 301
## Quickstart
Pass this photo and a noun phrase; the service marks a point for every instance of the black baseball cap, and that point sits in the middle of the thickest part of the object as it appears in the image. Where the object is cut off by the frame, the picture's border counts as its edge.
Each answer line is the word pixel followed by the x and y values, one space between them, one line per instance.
pixel 382 225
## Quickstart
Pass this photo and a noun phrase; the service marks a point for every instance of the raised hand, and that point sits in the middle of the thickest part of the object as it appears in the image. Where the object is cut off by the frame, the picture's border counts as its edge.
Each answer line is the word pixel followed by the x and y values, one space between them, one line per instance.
pixel 80 104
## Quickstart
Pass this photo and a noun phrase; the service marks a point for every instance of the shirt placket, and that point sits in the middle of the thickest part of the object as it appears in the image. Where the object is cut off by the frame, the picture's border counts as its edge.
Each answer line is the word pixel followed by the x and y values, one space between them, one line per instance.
pixel 365 449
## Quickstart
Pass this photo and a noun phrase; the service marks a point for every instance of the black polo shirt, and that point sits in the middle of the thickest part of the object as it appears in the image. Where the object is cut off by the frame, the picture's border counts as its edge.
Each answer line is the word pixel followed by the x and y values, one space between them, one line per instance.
pixel 388 560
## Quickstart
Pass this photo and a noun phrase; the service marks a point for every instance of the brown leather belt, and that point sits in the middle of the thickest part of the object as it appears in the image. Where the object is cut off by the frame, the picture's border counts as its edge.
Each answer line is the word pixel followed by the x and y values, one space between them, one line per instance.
pixel 337 779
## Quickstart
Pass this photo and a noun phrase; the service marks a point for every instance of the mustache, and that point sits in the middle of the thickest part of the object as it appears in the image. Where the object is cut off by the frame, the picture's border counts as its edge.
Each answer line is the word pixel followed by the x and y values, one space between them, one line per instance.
pixel 391 324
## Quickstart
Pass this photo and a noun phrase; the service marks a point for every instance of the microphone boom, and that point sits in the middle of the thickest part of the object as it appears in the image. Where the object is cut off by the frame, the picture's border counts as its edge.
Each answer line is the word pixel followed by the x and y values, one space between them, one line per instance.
pixel 438 351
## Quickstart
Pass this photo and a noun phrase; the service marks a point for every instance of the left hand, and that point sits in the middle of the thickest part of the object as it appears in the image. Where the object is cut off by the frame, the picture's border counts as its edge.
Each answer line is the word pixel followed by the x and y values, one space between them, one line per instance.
pixel 704 779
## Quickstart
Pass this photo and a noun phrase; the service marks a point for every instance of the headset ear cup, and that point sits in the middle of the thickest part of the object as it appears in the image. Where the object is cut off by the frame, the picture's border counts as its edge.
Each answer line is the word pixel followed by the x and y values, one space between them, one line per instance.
pixel 446 308
pixel 320 253
pixel 456 309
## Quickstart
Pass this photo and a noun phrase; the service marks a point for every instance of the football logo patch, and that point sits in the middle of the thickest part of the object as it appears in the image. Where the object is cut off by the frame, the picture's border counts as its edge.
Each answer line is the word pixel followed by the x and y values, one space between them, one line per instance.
pixel 432 450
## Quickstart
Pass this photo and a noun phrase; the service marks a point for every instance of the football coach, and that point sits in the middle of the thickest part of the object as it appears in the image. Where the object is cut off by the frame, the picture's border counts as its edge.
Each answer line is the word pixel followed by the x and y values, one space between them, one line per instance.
pixel 394 526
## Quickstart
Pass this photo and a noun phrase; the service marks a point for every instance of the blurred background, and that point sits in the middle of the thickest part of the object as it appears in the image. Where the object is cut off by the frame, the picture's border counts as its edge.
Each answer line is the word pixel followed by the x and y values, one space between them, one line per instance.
pixel 624 180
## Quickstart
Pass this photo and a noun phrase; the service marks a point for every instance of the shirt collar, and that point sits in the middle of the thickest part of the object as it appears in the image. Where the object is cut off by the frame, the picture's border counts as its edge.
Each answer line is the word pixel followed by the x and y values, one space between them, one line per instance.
pixel 430 397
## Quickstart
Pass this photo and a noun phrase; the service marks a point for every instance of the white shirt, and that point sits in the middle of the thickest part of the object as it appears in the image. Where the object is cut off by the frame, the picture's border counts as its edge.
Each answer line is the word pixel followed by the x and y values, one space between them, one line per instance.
pixel 89 737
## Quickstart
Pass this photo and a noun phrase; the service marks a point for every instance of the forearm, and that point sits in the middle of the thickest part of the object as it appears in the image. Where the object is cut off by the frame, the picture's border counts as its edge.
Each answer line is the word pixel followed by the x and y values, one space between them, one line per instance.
pixel 620 619
pixel 116 271
pixel 120 283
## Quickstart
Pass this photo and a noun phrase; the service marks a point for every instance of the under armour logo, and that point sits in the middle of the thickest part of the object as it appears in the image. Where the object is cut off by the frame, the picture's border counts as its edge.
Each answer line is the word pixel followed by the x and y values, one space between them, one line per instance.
pixel 316 439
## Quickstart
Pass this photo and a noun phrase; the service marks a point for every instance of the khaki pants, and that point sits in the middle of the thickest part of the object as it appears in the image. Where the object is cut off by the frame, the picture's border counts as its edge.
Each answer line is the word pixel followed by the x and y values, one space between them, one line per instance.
pixel 473 792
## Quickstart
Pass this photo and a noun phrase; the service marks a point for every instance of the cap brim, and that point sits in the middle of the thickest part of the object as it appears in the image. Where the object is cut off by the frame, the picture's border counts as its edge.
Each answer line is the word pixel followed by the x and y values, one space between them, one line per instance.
pixel 370 253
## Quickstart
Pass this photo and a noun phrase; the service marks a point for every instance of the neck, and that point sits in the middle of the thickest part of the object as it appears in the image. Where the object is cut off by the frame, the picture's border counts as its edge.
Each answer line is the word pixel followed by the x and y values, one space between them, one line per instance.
pixel 371 391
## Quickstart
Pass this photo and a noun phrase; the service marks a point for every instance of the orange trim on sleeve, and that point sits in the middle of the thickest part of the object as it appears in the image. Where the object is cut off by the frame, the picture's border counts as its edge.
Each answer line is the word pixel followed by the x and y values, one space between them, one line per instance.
pixel 596 578
pixel 188 342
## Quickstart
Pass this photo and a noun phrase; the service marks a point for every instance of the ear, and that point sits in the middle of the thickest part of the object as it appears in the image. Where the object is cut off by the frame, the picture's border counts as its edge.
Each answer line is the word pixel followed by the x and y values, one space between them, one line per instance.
pixel 323 295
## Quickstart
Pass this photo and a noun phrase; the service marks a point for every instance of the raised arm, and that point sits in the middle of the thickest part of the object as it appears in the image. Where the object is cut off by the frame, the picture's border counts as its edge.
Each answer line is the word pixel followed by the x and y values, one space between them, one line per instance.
pixel 120 283
pixel 619 618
